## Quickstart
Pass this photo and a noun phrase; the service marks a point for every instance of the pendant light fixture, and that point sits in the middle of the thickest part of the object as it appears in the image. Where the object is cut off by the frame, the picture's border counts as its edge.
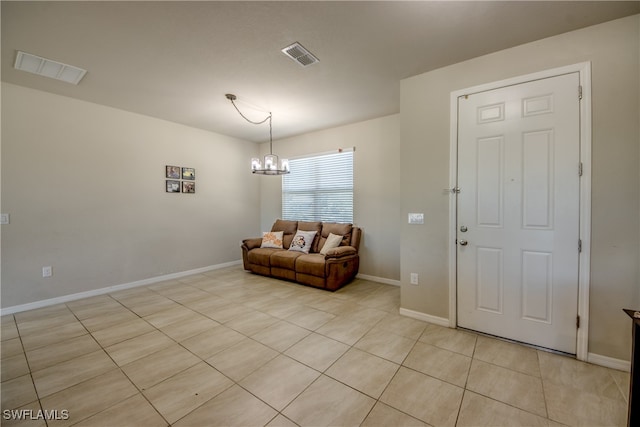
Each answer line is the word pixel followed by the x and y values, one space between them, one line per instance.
pixel 272 165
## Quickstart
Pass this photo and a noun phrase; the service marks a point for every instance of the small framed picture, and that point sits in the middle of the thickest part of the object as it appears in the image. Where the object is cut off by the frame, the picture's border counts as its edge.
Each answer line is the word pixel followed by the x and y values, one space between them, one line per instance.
pixel 188 187
pixel 173 172
pixel 173 186
pixel 188 173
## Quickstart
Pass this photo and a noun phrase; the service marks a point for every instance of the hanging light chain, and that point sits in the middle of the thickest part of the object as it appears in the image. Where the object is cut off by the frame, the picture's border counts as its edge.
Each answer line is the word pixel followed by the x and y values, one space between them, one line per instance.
pixel 273 166
pixel 232 98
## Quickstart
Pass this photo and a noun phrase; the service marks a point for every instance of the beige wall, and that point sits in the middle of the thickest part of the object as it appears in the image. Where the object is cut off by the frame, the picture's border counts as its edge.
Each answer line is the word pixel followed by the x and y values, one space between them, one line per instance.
pixel 85 189
pixel 376 184
pixel 84 185
pixel 613 49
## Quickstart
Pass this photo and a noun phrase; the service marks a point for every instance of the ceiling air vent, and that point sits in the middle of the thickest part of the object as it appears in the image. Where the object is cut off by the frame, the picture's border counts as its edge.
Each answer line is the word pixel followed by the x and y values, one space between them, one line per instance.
pixel 298 53
pixel 48 68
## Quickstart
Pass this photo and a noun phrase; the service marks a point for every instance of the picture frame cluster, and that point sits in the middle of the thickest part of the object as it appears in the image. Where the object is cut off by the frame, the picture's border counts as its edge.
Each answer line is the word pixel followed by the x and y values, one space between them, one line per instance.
pixel 180 179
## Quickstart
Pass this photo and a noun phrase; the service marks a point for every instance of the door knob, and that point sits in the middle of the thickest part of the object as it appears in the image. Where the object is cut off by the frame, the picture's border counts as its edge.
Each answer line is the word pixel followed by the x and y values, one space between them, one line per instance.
pixel 463 242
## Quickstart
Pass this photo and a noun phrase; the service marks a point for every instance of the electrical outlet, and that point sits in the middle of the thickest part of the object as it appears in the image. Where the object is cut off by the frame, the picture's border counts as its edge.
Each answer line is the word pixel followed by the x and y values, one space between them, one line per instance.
pixel 414 278
pixel 47 271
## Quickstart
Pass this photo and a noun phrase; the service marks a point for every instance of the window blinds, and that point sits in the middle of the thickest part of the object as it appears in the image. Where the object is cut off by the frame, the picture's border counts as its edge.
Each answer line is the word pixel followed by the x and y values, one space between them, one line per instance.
pixel 319 188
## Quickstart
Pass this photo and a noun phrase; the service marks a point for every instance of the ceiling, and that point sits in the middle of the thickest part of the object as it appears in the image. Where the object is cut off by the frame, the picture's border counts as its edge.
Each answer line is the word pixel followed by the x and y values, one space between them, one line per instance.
pixel 176 60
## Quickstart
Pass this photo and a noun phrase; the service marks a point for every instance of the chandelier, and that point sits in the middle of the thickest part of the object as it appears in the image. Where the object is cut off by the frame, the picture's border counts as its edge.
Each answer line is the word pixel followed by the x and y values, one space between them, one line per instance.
pixel 272 165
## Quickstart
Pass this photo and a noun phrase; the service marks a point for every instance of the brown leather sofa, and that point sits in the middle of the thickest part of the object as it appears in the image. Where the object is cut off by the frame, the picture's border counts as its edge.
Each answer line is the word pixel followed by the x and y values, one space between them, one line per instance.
pixel 329 271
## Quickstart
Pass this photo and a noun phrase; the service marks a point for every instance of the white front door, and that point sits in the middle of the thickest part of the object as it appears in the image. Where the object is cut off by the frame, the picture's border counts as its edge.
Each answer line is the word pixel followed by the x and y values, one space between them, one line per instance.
pixel 518 212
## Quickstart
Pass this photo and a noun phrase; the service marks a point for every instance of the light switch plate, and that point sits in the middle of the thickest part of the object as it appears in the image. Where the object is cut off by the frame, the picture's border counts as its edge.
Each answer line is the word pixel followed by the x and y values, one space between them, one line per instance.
pixel 416 218
pixel 4 219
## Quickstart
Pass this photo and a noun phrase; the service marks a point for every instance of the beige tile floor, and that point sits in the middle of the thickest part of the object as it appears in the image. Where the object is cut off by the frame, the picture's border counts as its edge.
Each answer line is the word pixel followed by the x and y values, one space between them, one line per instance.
pixel 228 348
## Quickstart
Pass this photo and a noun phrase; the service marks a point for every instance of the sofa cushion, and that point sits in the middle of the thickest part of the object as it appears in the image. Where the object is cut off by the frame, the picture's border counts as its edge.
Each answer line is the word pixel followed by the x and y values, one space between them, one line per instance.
pixel 283 273
pixel 288 227
pixel 308 279
pixel 260 256
pixel 343 230
pixel 312 264
pixel 312 226
pixel 272 239
pixel 302 241
pixel 285 259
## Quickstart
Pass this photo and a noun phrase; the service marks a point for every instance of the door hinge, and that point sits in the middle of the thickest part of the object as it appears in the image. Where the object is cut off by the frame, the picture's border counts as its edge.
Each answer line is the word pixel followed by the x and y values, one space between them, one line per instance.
pixel 580 169
pixel 578 322
pixel 579 245
pixel 580 92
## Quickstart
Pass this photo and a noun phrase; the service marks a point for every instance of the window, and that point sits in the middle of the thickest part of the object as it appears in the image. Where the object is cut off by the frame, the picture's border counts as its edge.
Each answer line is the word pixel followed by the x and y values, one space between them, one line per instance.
pixel 319 188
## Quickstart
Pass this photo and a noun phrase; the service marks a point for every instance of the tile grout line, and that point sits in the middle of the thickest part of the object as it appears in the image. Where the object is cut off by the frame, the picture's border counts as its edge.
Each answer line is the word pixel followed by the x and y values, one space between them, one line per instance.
pixel 544 395
pixel 200 358
pixel 33 382
pixel 237 299
pixel 140 391
pixel 117 367
pixel 282 353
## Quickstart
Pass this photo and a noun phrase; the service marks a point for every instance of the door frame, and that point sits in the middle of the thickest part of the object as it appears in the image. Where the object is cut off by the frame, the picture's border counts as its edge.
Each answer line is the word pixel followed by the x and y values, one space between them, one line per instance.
pixel 584 71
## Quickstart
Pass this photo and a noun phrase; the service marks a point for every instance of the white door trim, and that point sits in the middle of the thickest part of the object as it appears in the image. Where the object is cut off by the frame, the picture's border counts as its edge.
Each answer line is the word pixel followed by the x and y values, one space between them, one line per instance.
pixel 584 71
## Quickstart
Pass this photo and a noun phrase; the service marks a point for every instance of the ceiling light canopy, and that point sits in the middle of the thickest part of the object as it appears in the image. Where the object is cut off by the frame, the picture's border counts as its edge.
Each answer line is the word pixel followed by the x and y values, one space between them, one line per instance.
pixel 48 68
pixel 272 165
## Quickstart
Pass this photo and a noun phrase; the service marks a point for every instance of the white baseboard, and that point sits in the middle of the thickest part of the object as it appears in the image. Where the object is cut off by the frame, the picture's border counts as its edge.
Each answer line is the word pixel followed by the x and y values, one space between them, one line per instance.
pixel 109 289
pixel 441 321
pixel 609 362
pixel 378 279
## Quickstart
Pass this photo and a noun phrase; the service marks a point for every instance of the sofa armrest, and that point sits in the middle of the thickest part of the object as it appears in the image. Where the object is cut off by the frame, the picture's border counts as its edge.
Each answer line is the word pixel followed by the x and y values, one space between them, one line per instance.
pixel 341 251
pixel 253 243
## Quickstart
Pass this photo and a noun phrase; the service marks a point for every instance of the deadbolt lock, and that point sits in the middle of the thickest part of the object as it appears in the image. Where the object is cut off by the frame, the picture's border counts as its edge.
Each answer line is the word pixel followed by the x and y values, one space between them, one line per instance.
pixel 463 229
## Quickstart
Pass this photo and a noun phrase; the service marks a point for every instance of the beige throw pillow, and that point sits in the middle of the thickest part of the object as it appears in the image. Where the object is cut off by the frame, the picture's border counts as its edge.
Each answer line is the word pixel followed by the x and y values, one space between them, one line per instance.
pixel 272 239
pixel 302 241
pixel 333 241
